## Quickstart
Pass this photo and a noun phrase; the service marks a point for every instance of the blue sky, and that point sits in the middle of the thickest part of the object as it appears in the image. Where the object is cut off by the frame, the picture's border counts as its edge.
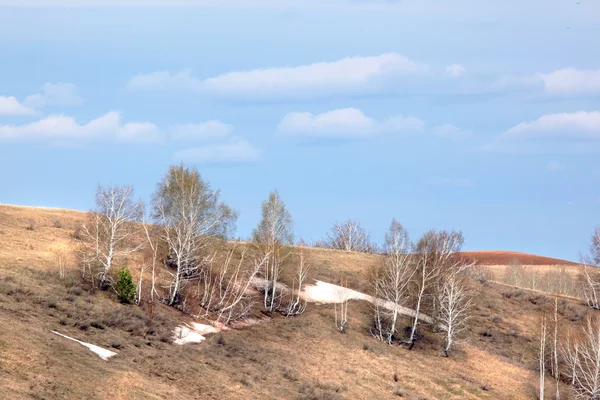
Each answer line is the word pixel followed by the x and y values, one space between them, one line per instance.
pixel 478 116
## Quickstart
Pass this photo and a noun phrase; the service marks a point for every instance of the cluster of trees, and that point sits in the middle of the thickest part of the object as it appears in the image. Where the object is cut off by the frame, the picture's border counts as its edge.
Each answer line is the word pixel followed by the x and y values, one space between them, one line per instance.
pixel 572 354
pixel 426 277
pixel 559 280
pixel 556 280
pixel 188 223
pixel 346 236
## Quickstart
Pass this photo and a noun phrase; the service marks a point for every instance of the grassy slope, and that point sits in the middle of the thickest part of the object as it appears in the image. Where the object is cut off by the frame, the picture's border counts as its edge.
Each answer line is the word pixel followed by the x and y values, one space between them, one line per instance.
pixel 303 357
pixel 500 257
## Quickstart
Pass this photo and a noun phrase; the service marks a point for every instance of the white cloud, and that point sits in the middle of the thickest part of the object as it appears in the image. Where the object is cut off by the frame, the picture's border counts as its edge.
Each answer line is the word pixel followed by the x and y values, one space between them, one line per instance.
pixel 555 166
pixel 449 131
pixel 149 3
pixel 12 106
pixel 237 150
pixel 343 123
pixel 450 182
pixel 60 127
pixel 139 132
pixel 182 81
pixel 561 82
pixel 347 122
pixel 352 123
pixel 54 94
pixel 314 80
pixel 571 81
pixel 350 75
pixel 206 131
pixel 455 70
pixel 581 124
pixel 402 124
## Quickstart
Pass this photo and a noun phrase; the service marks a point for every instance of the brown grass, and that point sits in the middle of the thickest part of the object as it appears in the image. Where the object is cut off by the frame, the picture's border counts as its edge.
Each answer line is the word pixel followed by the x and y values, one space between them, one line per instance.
pixel 502 257
pixel 292 358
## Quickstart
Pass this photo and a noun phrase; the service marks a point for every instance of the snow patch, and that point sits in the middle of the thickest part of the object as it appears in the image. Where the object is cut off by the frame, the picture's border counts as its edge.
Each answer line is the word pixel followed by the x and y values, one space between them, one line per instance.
pixel 323 292
pixel 193 332
pixel 103 353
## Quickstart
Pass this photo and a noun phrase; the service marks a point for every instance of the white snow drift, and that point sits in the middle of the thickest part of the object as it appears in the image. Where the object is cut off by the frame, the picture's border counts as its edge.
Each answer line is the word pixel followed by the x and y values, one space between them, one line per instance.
pixel 193 333
pixel 103 353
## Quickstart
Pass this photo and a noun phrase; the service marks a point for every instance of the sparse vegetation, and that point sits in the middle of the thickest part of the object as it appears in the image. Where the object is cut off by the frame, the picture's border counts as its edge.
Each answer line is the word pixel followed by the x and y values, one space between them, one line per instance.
pixel 282 357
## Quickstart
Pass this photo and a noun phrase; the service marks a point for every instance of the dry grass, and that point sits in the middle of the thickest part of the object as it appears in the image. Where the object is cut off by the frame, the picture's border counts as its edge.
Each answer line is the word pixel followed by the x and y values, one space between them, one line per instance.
pixel 502 257
pixel 292 358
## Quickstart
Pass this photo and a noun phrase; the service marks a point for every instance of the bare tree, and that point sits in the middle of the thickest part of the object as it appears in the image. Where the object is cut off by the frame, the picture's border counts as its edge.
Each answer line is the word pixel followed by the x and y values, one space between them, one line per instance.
pixel 514 273
pixel 570 354
pixel 392 280
pixel 272 236
pixel 583 358
pixel 591 287
pixel 341 309
pixel 455 302
pixel 61 261
pixel 296 306
pixel 555 350
pixel 152 238
pixel 189 213
pixel 225 288
pixel 107 235
pixel 350 236
pixel 434 257
pixel 591 276
pixel 542 355
pixel 594 256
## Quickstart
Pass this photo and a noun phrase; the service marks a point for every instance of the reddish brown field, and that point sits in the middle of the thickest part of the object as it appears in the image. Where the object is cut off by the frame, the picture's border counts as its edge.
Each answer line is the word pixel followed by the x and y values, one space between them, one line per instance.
pixel 500 257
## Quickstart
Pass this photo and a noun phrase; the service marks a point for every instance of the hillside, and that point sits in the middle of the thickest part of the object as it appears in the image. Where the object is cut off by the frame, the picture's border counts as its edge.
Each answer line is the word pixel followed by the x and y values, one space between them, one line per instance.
pixel 302 357
pixel 499 257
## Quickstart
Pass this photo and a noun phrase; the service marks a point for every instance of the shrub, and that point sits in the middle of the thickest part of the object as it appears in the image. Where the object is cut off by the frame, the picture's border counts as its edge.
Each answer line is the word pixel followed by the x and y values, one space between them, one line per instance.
pixel 124 285
pixel 30 227
pixel 290 374
pixel 57 224
pixel 97 324
pixel 77 233
pixel 399 391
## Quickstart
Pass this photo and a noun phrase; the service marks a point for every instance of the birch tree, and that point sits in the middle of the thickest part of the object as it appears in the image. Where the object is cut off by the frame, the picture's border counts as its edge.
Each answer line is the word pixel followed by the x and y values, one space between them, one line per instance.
pixel 111 224
pixel 583 358
pixel 514 273
pixel 555 367
pixel 296 305
pixel 350 236
pixel 391 282
pixel 340 307
pixel 189 213
pixel 151 259
pixel 434 256
pixel 591 274
pixel 225 287
pixel 455 301
pixel 273 235
pixel 542 355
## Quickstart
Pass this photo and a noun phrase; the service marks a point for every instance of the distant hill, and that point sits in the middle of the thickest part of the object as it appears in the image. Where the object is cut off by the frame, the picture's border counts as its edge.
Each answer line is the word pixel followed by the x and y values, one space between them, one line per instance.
pixel 501 257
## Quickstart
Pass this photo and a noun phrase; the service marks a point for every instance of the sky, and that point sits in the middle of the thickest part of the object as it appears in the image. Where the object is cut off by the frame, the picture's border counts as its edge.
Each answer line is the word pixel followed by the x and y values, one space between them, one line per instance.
pixel 477 116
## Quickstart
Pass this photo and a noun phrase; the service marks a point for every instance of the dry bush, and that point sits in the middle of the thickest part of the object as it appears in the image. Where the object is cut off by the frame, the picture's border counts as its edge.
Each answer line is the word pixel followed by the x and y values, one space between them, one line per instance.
pixel 481 273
